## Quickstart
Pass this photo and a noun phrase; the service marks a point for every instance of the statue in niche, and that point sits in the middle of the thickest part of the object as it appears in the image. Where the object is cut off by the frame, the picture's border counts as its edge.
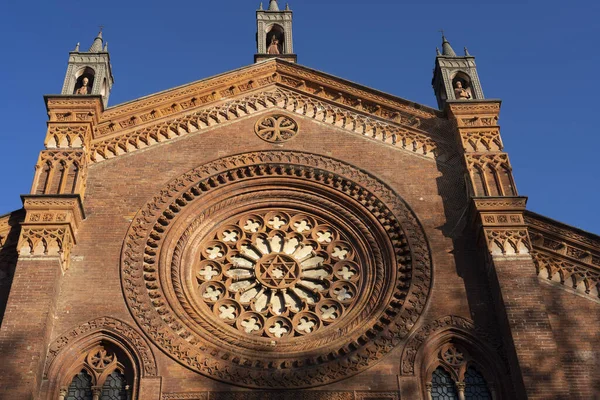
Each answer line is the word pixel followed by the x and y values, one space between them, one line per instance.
pixel 274 46
pixel 460 92
pixel 86 86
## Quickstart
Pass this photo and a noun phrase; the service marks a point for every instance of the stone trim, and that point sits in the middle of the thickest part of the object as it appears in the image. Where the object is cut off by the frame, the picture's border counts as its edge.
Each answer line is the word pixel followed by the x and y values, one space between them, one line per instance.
pixel 403 137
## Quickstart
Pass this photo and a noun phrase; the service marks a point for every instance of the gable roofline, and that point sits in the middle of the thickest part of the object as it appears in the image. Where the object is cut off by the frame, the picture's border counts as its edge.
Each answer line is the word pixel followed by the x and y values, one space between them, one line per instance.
pixel 592 239
pixel 280 64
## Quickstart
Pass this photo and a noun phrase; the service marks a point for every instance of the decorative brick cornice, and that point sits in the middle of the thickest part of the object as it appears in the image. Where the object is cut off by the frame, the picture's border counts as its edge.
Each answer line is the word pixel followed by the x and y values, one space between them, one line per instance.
pixel 50 210
pixel 565 255
pixel 582 278
pixel 403 137
pixel 74 108
pixel 547 225
pixel 263 74
pixel 50 226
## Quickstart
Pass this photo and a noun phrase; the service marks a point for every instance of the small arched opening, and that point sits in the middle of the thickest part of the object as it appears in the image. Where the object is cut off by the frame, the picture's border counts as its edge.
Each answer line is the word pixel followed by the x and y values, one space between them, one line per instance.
pixel 84 81
pixel 275 39
pixel 463 86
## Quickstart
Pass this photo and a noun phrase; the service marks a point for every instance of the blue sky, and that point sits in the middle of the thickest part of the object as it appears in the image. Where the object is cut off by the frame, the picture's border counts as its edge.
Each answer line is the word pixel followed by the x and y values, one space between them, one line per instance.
pixel 540 57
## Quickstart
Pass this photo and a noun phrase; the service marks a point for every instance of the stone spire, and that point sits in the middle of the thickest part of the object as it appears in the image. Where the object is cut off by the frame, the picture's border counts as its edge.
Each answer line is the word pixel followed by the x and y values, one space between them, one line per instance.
pixel 97 45
pixel 447 50
pixel 273 6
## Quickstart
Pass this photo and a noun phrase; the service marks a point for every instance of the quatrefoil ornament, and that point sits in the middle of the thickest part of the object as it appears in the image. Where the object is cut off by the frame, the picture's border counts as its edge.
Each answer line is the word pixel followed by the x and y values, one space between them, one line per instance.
pixel 276 128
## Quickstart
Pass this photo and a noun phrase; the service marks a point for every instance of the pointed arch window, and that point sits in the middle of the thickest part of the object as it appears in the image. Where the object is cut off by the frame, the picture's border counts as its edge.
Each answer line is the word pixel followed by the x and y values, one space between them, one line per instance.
pixel 476 387
pixel 105 374
pixel 455 375
pixel 80 387
pixel 442 386
pixel 115 387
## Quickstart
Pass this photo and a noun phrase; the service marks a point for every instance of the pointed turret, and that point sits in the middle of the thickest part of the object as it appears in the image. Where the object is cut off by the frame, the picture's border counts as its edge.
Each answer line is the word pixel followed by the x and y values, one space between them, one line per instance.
pixel 96 47
pixel 89 72
pixel 455 77
pixel 447 50
pixel 273 6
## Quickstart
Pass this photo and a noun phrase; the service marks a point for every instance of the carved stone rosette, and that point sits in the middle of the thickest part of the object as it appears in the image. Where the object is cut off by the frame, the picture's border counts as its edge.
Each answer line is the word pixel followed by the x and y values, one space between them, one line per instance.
pixel 276 270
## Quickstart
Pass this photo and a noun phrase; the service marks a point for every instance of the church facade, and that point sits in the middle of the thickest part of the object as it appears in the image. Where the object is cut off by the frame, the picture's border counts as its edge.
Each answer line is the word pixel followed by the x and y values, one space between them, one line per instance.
pixel 275 232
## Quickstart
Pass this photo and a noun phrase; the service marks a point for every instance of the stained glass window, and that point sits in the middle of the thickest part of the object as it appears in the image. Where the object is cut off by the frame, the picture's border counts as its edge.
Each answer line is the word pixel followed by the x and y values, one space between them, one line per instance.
pixel 442 386
pixel 476 387
pixel 80 388
pixel 114 387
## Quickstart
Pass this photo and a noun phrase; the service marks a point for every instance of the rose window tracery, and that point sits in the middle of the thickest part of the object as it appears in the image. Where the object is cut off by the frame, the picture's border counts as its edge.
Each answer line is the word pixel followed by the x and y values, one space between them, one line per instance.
pixel 277 274
pixel 277 269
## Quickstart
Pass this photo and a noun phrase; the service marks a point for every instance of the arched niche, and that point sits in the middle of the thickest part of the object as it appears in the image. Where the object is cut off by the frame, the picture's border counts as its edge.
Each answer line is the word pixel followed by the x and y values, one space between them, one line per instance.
pixel 275 39
pixel 126 351
pixel 80 80
pixel 461 80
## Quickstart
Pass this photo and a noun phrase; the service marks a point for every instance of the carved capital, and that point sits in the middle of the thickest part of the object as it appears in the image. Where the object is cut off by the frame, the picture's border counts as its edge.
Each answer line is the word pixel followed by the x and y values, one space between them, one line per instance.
pixel 507 242
pixel 475 111
pixel 483 139
pixel 74 108
pixel 73 135
pixel 50 226
pixel 500 204
pixel 53 210
pixel 46 241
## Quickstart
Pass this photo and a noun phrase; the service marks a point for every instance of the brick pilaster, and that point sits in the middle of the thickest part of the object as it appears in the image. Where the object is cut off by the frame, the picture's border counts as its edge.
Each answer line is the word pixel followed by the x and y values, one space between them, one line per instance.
pixel 497 216
pixel 53 214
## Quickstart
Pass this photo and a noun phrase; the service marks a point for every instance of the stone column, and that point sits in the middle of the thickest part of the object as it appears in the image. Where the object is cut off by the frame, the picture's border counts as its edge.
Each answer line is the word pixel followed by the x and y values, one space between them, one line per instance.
pixel 497 216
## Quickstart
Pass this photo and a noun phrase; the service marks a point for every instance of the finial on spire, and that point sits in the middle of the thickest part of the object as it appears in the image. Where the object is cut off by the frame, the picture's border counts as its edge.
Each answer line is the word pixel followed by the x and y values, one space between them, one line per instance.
pixel 287 6
pixel 76 47
pixel 96 47
pixel 447 50
pixel 467 53
pixel 273 6
pixel 261 6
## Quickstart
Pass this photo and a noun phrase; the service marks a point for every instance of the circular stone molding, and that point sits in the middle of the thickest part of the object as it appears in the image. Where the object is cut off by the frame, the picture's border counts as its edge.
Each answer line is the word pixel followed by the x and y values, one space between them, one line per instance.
pixel 276 128
pixel 276 270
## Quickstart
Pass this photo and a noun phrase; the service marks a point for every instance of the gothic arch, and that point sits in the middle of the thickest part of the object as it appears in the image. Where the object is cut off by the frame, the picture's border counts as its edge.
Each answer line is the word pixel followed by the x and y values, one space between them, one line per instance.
pixel 68 354
pixel 421 355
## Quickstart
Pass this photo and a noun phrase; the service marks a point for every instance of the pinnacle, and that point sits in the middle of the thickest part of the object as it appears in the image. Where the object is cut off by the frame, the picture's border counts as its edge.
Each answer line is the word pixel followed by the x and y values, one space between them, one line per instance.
pixel 447 50
pixel 273 6
pixel 97 45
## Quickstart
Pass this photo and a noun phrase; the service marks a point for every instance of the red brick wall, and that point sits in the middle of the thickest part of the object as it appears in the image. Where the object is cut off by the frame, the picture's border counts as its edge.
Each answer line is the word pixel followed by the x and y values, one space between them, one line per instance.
pixel 520 304
pixel 26 327
pixel 574 319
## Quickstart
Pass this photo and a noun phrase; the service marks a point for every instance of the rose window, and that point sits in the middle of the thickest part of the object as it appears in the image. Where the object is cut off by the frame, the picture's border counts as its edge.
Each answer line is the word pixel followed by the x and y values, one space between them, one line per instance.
pixel 277 274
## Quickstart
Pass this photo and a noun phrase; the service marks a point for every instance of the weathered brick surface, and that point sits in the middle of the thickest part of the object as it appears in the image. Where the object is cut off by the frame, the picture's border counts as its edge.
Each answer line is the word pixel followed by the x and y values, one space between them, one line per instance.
pixel 26 327
pixel 574 321
pixel 531 343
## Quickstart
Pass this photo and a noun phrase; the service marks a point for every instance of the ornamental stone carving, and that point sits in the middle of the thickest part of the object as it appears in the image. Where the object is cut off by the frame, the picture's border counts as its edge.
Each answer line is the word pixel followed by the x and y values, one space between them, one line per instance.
pixel 276 270
pixel 276 128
